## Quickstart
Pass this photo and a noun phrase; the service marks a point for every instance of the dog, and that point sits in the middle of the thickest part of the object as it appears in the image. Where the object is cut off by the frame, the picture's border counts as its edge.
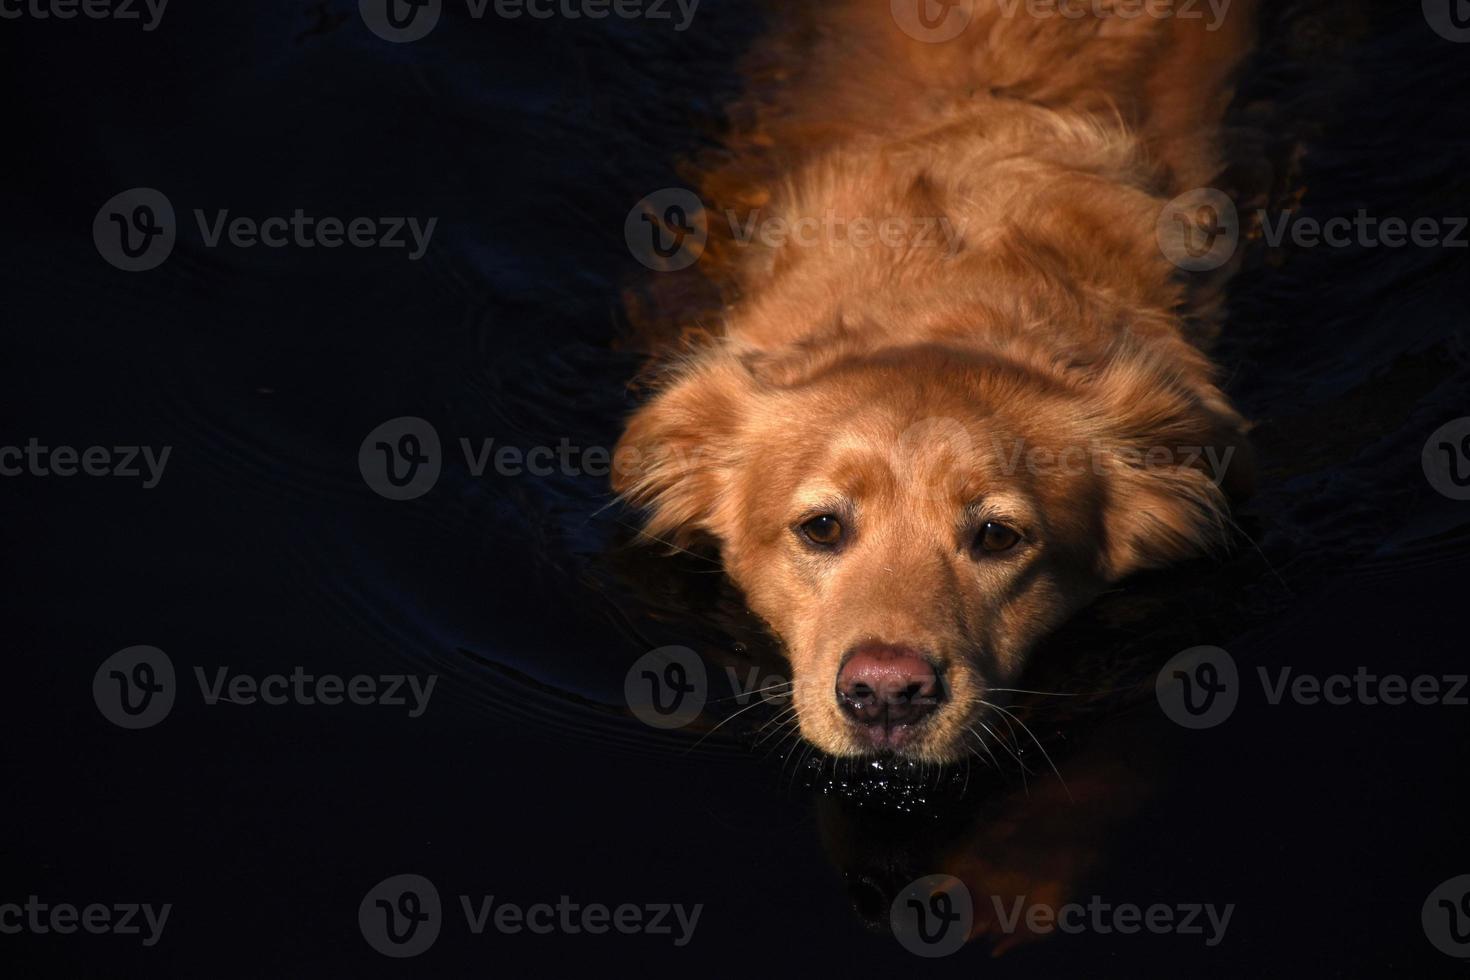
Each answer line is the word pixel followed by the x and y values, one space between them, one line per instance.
pixel 964 389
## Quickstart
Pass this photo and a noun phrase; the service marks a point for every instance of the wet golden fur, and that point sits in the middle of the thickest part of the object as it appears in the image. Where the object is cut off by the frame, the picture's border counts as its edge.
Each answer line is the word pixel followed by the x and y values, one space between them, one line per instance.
pixel 1042 368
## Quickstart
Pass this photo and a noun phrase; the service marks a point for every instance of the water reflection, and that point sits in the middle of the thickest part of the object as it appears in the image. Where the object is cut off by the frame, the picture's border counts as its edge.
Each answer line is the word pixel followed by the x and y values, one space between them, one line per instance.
pixel 1012 839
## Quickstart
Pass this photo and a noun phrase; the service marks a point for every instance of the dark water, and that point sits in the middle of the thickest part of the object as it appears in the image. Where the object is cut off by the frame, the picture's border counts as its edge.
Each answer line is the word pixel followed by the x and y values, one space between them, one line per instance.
pixel 262 549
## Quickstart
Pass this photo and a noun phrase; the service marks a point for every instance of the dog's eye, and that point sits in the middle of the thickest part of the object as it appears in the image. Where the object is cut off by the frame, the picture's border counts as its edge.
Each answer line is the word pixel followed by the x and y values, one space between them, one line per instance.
pixel 824 530
pixel 994 538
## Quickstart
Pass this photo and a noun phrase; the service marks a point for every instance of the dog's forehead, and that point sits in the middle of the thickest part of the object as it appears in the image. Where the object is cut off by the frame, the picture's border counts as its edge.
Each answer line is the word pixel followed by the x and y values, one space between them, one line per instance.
pixel 938 459
pixel 932 446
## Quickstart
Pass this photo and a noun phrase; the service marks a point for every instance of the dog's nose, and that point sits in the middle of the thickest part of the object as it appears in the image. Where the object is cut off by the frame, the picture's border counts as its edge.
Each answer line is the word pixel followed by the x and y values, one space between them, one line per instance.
pixel 882 685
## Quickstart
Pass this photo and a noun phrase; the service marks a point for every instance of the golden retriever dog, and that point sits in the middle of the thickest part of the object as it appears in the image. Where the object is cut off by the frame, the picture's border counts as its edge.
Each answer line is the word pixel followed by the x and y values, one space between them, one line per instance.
pixel 960 389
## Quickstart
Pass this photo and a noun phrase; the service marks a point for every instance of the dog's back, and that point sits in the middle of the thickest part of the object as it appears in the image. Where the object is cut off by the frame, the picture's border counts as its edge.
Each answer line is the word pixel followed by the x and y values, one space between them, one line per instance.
pixel 1022 152
pixel 852 70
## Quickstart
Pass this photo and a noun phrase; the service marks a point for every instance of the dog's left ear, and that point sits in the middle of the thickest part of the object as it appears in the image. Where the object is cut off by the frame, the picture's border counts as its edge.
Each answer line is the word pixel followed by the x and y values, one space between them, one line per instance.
pixel 1176 456
pixel 678 457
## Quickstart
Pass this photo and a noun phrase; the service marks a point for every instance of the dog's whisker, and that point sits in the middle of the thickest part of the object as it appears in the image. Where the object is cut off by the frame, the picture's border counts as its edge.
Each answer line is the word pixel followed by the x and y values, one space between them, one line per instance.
pixel 1011 747
pixel 783 727
pixel 767 730
pixel 779 722
pixel 795 749
pixel 723 723
pixel 1270 567
pixel 796 769
pixel 746 694
pixel 784 722
pixel 1044 754
pixel 783 713
pixel 1014 755
pixel 1010 729
pixel 669 544
pixel 794 733
pixel 984 745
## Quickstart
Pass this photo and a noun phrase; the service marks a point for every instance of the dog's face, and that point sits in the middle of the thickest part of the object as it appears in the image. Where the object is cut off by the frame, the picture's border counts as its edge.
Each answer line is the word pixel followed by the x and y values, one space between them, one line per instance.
pixel 911 521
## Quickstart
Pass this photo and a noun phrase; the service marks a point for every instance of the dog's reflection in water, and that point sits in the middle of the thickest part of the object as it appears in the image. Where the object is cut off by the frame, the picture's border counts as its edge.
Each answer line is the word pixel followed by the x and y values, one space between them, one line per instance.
pixel 1013 844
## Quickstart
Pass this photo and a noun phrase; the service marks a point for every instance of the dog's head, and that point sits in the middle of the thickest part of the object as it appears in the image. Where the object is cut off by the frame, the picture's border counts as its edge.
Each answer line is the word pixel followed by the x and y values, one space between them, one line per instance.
pixel 911 520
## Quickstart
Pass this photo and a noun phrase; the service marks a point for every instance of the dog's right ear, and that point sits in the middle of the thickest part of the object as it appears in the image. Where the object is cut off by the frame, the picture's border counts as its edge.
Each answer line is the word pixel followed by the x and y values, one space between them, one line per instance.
pixel 679 456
